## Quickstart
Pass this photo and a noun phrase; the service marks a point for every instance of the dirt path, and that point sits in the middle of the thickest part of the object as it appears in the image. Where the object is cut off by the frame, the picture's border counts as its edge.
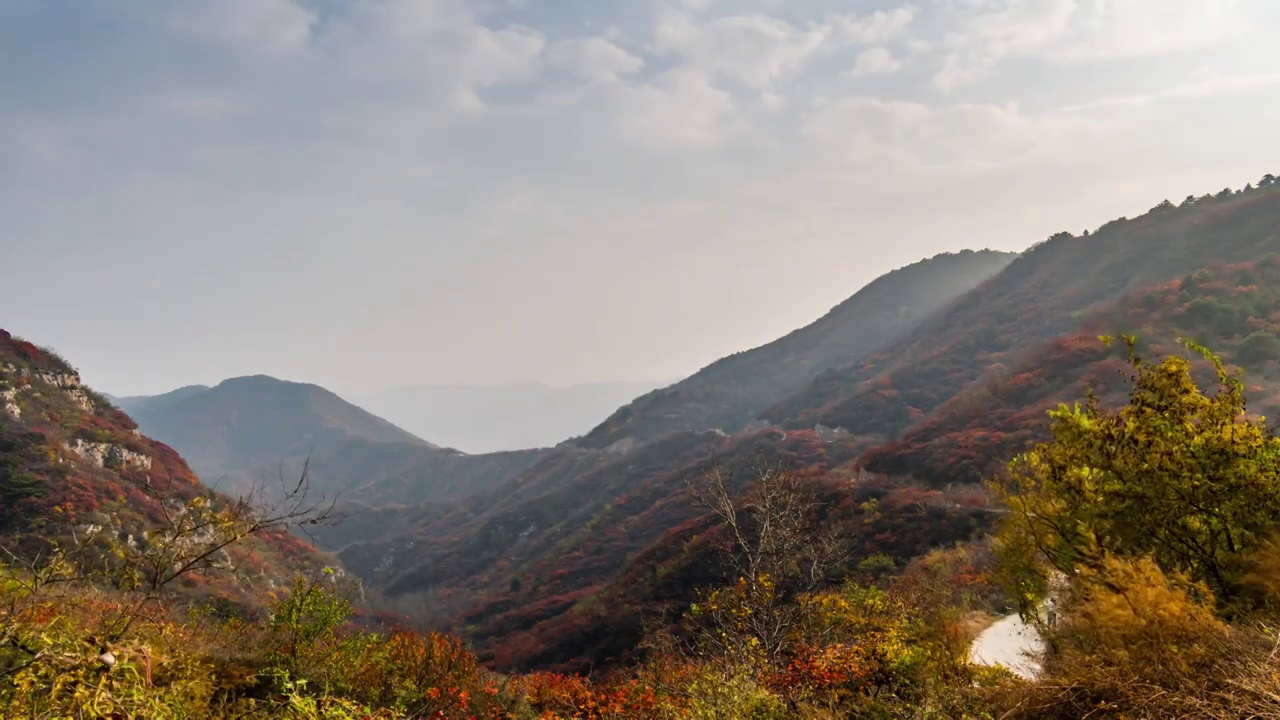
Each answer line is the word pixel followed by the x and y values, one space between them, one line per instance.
pixel 1008 642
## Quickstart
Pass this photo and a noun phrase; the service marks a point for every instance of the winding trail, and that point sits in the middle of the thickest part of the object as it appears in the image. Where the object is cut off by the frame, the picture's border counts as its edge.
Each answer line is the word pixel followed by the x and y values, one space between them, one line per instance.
pixel 1009 642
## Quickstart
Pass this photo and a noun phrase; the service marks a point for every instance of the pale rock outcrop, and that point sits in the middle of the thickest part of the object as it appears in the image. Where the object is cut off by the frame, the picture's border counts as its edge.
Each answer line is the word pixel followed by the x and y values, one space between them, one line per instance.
pixel 104 454
pixel 9 403
pixel 66 382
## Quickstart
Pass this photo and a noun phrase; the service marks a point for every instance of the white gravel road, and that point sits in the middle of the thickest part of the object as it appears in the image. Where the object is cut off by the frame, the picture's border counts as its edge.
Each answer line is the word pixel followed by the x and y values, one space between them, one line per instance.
pixel 1009 642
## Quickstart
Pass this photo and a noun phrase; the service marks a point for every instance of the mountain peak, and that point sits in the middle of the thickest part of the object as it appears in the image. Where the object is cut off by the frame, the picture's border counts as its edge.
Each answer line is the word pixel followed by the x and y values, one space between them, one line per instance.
pixel 255 420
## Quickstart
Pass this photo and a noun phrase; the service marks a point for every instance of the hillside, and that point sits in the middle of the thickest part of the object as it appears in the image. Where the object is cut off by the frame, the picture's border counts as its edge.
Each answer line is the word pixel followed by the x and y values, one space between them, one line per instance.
pixel 551 561
pixel 1234 309
pixel 484 419
pixel 1044 294
pixel 73 469
pixel 243 428
pixel 731 391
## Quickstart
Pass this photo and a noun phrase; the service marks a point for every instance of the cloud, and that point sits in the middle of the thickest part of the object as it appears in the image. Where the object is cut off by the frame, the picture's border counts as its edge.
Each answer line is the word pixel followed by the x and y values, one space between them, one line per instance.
pixel 437 52
pixel 983 33
pixel 876 28
pixel 441 157
pixel 755 51
pixel 593 59
pixel 679 108
pixel 272 27
pixel 966 137
pixel 874 61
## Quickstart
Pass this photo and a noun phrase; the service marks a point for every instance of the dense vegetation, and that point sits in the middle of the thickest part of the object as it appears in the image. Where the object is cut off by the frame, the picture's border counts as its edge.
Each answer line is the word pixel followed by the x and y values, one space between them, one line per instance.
pixel 1154 527
pixel 1148 515
pixel 1233 308
pixel 75 471
pixel 555 566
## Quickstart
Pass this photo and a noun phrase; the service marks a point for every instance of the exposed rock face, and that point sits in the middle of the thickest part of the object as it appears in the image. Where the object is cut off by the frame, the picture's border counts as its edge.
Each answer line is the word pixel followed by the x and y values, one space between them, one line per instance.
pixel 108 455
pixel 828 433
pixel 66 382
pixel 9 403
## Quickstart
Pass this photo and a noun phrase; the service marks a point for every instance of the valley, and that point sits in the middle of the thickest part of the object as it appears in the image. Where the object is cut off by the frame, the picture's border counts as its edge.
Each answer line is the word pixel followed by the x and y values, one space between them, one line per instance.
pixel 666 360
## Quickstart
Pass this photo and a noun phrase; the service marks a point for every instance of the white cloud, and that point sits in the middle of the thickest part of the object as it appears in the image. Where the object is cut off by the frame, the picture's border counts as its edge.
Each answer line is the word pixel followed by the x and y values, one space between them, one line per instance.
pixel 983 33
pixel 273 27
pixel 912 136
pixel 772 100
pixel 436 52
pixel 874 61
pixel 592 59
pixel 679 108
pixel 878 27
pixel 754 50
pixel 495 57
pixel 481 153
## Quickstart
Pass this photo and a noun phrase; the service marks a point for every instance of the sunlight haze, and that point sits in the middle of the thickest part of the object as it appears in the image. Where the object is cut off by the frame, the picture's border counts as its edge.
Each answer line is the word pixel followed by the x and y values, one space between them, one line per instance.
pixel 379 193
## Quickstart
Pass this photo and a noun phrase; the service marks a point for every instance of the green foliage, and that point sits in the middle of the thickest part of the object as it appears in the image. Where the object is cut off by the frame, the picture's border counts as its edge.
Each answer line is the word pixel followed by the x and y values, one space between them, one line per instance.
pixel 306 622
pixel 1178 475
pixel 1259 347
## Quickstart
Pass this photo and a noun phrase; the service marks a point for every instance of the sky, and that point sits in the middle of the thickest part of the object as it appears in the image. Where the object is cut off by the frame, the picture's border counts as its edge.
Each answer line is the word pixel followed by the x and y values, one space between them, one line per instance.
pixel 372 193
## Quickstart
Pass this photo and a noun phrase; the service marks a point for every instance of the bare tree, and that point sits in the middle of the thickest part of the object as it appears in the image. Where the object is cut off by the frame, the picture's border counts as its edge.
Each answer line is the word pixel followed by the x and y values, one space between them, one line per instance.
pixel 778 548
pixel 195 534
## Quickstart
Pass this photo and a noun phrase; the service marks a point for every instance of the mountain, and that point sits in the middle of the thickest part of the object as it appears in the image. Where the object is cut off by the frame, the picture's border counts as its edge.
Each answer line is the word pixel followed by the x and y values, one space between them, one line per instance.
pixel 1232 309
pixel 76 470
pixel 968 366
pixel 134 402
pixel 248 422
pixel 733 390
pixel 248 432
pixel 482 419
pixel 1045 294
pixel 560 565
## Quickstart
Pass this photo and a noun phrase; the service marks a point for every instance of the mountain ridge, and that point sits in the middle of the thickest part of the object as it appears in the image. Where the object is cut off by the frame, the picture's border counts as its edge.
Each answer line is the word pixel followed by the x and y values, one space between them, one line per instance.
pixel 731 391
pixel 246 422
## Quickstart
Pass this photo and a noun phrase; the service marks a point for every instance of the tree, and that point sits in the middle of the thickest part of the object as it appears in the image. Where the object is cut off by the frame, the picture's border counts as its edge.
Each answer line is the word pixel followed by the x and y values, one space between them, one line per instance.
pixel 1183 477
pixel 1258 347
pixel 1267 180
pixel 194 536
pixel 777 550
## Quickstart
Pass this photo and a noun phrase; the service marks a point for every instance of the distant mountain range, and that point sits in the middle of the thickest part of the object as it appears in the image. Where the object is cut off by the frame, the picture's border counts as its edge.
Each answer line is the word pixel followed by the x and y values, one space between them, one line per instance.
pixel 247 421
pixel 483 419
pixel 245 433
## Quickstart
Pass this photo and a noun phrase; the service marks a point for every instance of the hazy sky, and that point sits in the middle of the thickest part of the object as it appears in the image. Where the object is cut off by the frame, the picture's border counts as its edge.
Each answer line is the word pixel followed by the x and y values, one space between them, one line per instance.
pixel 368 193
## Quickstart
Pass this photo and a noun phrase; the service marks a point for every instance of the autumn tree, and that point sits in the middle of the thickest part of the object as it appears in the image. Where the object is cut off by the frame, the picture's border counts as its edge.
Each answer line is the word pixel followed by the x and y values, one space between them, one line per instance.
pixel 193 536
pixel 777 549
pixel 1183 477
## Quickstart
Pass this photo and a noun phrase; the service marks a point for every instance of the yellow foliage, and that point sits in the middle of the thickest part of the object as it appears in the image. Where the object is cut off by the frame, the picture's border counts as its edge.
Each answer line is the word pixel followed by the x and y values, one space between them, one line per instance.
pixel 1130 614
